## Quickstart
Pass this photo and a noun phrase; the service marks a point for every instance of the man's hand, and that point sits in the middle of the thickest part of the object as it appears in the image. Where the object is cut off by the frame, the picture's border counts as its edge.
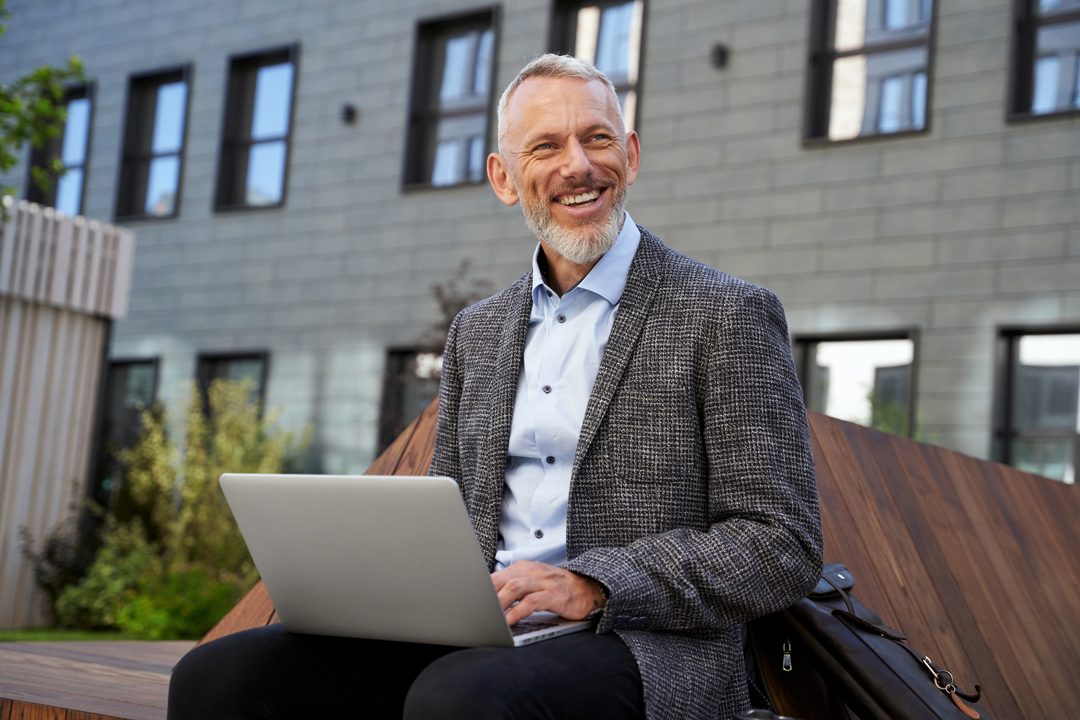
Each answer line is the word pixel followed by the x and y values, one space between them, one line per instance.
pixel 537 586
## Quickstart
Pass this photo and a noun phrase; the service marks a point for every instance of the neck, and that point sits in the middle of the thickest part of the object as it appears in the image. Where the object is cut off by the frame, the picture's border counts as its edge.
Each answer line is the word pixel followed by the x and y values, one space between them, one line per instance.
pixel 561 274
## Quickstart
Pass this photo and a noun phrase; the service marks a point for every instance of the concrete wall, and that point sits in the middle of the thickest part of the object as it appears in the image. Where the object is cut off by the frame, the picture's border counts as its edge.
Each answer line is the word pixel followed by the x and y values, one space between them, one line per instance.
pixel 973 224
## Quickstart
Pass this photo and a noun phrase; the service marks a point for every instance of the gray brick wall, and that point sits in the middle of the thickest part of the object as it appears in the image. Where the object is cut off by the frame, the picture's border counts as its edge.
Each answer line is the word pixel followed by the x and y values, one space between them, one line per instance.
pixel 969 226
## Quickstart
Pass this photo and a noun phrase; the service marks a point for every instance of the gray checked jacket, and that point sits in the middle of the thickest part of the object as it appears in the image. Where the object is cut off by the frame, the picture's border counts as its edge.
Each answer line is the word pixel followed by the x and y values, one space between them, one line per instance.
pixel 693 497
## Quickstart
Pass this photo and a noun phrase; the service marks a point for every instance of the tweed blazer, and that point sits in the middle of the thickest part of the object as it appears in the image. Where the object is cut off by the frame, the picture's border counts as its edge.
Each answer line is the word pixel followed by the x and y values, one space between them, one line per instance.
pixel 693 497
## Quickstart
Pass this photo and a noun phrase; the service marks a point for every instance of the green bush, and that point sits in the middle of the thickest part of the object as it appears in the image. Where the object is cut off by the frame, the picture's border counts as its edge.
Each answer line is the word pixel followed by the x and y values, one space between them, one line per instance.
pixel 172 561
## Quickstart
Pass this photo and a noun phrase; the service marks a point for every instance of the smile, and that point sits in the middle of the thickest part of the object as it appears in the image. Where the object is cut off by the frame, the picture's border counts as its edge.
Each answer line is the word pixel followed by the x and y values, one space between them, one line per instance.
pixel 582 199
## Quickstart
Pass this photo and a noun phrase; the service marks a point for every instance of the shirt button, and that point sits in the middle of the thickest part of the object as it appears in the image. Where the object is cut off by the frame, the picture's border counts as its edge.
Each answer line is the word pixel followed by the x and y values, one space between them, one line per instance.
pixel 547 388
pixel 562 318
pixel 549 293
pixel 550 459
pixel 538 534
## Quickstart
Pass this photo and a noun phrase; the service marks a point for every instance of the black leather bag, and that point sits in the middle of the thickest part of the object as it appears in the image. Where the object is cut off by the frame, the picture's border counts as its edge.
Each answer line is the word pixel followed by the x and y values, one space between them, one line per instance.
pixel 867 664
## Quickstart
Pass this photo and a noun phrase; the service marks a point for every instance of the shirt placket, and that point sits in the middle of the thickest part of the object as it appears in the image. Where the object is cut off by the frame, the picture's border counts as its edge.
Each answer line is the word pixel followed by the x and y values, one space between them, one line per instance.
pixel 557 316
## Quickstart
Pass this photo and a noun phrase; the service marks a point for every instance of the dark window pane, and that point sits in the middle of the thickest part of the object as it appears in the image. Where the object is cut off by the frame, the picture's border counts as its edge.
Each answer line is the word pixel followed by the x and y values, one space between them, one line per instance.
pixel 1057 48
pixel 169 118
pixel 613 48
pixel 129 391
pixel 237 368
pixel 878 93
pixel 273 98
pixel 610 37
pixel 1052 458
pixel 412 383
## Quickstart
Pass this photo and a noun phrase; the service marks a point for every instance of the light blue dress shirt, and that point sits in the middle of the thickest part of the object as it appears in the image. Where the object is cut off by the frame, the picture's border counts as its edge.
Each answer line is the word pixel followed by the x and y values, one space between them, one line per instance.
pixel 564 344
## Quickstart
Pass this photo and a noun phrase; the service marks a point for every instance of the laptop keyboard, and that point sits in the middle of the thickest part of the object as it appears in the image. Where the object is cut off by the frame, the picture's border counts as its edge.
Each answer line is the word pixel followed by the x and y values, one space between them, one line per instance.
pixel 524 626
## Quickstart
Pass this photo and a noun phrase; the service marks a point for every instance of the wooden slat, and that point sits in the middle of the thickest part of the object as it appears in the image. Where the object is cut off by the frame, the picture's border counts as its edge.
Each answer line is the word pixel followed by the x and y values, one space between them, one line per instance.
pixel 20 710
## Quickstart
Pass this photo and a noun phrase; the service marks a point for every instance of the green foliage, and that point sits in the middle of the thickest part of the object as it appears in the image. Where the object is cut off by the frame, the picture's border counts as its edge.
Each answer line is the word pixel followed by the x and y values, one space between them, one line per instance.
pixel 32 111
pixel 888 415
pixel 172 561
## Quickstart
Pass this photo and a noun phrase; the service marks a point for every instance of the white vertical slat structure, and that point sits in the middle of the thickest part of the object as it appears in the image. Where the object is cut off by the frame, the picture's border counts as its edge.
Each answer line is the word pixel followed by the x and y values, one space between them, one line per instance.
pixel 62 279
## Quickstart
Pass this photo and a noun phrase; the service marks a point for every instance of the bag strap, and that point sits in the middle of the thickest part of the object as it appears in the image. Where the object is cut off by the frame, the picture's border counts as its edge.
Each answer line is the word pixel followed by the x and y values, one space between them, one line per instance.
pixel 943 679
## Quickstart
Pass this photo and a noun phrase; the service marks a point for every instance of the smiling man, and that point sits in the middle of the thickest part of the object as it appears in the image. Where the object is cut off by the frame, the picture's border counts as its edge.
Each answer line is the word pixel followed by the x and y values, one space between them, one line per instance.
pixel 627 431
pixel 629 438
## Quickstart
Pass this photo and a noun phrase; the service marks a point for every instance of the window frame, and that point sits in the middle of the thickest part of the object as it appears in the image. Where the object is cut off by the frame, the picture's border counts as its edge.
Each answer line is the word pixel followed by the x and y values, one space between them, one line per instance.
pixel 559 40
pixel 1007 349
pixel 185 72
pixel 419 117
pixel 54 148
pixel 818 83
pixel 801 359
pixel 391 401
pixel 1021 82
pixel 203 379
pixel 235 64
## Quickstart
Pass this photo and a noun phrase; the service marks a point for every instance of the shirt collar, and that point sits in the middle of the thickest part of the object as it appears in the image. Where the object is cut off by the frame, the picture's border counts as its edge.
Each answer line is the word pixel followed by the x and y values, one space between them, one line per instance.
pixel 608 276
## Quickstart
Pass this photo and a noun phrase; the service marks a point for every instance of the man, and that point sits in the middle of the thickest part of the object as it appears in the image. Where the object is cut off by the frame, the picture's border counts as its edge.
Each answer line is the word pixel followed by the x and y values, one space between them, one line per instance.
pixel 629 438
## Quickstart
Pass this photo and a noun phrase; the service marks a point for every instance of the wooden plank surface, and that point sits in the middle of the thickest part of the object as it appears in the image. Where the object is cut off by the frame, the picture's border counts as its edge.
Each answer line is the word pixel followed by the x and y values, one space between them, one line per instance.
pixel 123 680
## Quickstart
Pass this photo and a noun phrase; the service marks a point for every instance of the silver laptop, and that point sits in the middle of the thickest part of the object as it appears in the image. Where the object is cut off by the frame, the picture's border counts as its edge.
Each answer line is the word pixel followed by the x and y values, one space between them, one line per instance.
pixel 381 557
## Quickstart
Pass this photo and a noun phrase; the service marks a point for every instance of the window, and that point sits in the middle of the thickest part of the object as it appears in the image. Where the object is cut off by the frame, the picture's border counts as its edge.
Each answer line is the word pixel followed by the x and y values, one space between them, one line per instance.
pixel 255 140
pixel 607 34
pixel 453 82
pixel 864 379
pixel 130 389
pixel 71 148
pixel 868 70
pixel 153 145
pixel 250 366
pixel 1038 424
pixel 410 385
pixel 1046 58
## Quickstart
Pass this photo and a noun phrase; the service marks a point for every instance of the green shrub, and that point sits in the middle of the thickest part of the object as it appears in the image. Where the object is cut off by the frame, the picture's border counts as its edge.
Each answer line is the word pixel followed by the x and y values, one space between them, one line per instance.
pixel 172 561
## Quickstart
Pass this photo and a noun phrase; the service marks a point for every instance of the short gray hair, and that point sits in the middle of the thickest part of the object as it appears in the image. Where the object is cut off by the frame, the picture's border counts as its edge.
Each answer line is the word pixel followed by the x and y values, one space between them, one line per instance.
pixel 555 66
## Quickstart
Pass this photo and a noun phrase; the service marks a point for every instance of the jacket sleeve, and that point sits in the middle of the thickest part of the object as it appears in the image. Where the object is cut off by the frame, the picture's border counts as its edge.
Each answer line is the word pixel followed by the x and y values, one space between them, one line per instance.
pixel 445 460
pixel 762 550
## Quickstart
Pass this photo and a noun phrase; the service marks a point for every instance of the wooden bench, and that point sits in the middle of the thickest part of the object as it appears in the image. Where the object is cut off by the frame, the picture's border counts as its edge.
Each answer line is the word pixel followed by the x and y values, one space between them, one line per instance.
pixel 978 563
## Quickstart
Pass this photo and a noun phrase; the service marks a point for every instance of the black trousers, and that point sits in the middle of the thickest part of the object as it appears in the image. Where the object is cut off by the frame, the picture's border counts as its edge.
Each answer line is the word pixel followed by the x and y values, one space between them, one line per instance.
pixel 269 672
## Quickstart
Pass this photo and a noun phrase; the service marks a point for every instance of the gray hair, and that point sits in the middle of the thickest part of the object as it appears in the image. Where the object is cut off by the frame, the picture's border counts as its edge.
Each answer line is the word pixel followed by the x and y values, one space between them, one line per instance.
pixel 556 66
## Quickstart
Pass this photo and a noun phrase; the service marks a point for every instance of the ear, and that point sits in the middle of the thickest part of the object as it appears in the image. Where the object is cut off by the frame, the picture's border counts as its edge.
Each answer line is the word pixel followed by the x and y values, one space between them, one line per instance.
pixel 633 156
pixel 501 182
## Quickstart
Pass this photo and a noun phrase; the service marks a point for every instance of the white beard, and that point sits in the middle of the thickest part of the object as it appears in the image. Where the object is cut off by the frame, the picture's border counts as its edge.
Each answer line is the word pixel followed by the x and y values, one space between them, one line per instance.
pixel 581 245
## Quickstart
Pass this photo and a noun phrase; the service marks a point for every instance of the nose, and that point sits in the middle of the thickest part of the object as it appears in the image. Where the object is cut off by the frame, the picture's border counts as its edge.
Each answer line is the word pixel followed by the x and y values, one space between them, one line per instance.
pixel 576 163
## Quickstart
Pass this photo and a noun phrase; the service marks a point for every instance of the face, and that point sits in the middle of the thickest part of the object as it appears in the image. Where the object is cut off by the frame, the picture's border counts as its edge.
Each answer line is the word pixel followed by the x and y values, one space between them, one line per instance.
pixel 565 159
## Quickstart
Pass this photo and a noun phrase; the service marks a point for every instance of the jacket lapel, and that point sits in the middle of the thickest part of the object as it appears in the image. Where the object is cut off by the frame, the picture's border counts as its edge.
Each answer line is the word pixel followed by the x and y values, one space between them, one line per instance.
pixel 508 360
pixel 637 297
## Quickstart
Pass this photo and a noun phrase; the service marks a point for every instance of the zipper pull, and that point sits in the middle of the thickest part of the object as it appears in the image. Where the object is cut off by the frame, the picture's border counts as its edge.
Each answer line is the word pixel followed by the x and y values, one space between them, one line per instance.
pixel 787 656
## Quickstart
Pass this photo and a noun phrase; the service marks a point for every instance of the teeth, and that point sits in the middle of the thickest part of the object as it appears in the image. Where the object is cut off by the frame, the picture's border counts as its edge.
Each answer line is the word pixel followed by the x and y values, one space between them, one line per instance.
pixel 576 199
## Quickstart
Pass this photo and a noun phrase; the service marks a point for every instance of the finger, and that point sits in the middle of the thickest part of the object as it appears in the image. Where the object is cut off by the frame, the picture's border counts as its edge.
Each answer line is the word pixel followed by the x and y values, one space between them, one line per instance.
pixel 514 589
pixel 528 605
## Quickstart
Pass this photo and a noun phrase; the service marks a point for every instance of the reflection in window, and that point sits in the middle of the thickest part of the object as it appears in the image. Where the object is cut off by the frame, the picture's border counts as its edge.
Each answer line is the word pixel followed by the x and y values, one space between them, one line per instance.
pixel 130 390
pixel 862 381
pixel 66 191
pixel 869 70
pixel 153 145
pixel 451 101
pixel 607 34
pixel 410 385
pixel 1046 63
pixel 1042 433
pixel 258 120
